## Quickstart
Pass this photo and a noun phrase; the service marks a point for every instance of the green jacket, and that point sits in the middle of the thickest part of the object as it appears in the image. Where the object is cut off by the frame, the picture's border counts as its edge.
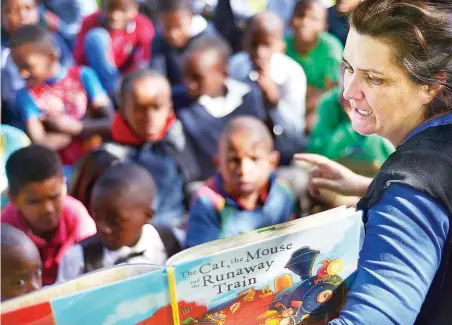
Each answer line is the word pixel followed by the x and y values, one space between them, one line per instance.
pixel 334 137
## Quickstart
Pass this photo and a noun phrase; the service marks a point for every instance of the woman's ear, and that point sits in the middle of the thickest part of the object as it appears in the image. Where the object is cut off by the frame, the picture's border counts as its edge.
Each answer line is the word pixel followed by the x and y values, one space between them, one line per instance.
pixel 432 90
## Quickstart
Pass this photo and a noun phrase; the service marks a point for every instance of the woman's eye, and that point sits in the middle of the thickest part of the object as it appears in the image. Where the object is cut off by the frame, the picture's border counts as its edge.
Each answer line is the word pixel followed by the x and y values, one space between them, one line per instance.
pixel 38 272
pixel 375 81
pixel 348 69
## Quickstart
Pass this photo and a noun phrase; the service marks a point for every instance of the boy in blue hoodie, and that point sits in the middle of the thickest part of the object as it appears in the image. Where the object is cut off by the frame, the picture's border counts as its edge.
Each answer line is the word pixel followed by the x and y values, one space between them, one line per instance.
pixel 217 99
pixel 245 194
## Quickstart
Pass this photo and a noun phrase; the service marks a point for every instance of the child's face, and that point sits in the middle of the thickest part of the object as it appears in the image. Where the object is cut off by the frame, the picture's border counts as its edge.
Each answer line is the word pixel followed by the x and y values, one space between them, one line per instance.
pixel 34 65
pixel 309 20
pixel 176 27
pixel 21 270
pixel 118 13
pixel 262 44
pixel 41 204
pixel 204 74
pixel 147 107
pixel 246 162
pixel 119 220
pixel 19 13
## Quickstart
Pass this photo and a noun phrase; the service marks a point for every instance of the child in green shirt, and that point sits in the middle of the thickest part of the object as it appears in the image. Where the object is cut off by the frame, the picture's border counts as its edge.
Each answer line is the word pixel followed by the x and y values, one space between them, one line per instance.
pixel 333 136
pixel 318 52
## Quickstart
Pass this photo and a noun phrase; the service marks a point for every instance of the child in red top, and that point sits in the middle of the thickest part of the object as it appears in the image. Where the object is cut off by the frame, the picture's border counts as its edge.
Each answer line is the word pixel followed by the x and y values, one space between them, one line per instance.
pixel 115 40
pixel 40 208
pixel 65 109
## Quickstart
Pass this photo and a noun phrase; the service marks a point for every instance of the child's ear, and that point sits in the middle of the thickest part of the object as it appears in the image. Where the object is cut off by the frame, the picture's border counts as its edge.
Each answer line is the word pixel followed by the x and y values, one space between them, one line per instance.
pixel 55 55
pixel 12 198
pixel 216 162
pixel 150 214
pixel 282 47
pixel 274 158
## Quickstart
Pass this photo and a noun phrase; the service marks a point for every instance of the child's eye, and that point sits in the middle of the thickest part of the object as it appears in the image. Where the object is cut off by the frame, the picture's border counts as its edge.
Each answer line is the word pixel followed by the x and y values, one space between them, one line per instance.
pixel 375 81
pixel 38 272
pixel 20 283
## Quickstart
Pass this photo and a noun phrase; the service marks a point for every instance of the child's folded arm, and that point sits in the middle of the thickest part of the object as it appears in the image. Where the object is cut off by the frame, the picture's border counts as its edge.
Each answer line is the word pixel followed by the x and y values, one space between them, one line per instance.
pixel 38 134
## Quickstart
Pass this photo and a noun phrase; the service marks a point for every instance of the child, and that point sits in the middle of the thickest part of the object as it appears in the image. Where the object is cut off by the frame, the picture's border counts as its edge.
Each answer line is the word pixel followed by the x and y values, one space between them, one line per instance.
pixel 15 14
pixel 333 136
pixel 231 16
pixel 40 208
pixel 147 132
pixel 282 81
pixel 318 52
pixel 115 40
pixel 179 27
pixel 66 16
pixel 62 108
pixel 337 18
pixel 217 98
pixel 245 194
pixel 121 209
pixel 21 267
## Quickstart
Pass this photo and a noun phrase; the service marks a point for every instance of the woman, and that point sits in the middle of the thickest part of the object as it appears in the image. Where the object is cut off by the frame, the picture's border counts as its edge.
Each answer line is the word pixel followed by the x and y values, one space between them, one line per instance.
pixel 398 80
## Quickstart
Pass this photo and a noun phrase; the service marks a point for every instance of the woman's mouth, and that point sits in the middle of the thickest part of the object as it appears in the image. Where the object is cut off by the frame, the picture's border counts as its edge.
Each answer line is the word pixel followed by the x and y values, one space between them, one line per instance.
pixel 363 112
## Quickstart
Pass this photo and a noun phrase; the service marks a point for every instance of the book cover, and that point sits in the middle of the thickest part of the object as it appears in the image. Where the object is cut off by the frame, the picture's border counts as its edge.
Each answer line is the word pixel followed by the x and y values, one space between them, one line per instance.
pixel 128 294
pixel 289 274
pixel 296 277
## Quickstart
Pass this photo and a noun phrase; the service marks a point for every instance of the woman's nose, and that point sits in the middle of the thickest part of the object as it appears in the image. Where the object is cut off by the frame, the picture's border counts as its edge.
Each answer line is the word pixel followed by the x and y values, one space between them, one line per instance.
pixel 352 89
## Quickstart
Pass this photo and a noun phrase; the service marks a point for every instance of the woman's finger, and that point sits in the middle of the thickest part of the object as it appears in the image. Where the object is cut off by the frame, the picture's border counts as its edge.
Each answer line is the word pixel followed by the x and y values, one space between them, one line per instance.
pixel 324 183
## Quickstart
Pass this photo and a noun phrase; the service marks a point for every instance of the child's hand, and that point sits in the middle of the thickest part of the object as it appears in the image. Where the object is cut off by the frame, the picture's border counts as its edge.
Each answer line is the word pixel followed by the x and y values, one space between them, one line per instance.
pixel 63 124
pixel 269 88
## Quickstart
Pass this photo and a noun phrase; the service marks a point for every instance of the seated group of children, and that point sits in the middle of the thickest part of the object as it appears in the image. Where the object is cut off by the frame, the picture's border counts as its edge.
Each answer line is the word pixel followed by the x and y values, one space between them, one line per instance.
pixel 191 154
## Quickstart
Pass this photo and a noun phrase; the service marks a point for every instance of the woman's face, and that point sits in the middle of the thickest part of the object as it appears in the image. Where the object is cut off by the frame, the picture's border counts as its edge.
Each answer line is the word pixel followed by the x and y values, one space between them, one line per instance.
pixel 382 97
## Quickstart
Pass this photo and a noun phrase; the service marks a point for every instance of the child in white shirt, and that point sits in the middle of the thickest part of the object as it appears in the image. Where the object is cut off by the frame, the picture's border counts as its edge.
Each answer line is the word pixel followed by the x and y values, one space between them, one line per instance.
pixel 121 207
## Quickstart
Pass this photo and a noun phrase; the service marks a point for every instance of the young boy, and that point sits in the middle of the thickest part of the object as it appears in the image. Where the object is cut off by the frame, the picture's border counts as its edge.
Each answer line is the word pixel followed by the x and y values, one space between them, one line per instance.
pixel 217 98
pixel 282 81
pixel 121 209
pixel 62 108
pixel 333 136
pixel 318 52
pixel 40 208
pixel 178 28
pixel 21 267
pixel 245 194
pixel 115 40
pixel 337 18
pixel 147 132
pixel 15 14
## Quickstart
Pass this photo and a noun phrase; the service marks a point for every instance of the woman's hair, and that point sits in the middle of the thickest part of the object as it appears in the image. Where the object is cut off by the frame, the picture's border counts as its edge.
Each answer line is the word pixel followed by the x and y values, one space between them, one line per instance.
pixel 420 31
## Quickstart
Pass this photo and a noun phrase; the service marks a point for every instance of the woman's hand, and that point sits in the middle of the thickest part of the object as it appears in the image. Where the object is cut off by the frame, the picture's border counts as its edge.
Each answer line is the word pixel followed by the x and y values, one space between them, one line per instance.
pixel 337 180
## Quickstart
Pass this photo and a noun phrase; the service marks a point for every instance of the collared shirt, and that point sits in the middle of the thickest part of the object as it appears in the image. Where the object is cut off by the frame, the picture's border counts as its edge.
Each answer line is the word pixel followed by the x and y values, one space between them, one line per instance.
pixel 75 225
pixel 224 105
pixel 150 244
pixel 290 77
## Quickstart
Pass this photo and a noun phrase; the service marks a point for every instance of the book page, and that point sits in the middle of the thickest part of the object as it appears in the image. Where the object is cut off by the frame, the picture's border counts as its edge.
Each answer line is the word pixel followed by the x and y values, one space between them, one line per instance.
pixel 298 276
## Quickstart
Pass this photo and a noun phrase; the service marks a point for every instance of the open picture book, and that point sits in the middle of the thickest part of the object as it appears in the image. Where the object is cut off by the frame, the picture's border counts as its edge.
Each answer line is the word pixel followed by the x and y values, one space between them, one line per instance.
pixel 292 273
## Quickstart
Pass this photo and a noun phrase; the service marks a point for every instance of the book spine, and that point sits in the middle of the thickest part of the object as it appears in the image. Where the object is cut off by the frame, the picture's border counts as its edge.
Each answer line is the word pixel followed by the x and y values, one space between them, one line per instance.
pixel 173 295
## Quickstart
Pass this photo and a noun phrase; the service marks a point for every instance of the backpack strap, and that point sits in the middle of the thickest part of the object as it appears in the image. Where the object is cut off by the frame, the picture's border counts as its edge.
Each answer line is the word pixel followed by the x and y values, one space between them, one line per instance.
pixel 93 253
pixel 169 240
